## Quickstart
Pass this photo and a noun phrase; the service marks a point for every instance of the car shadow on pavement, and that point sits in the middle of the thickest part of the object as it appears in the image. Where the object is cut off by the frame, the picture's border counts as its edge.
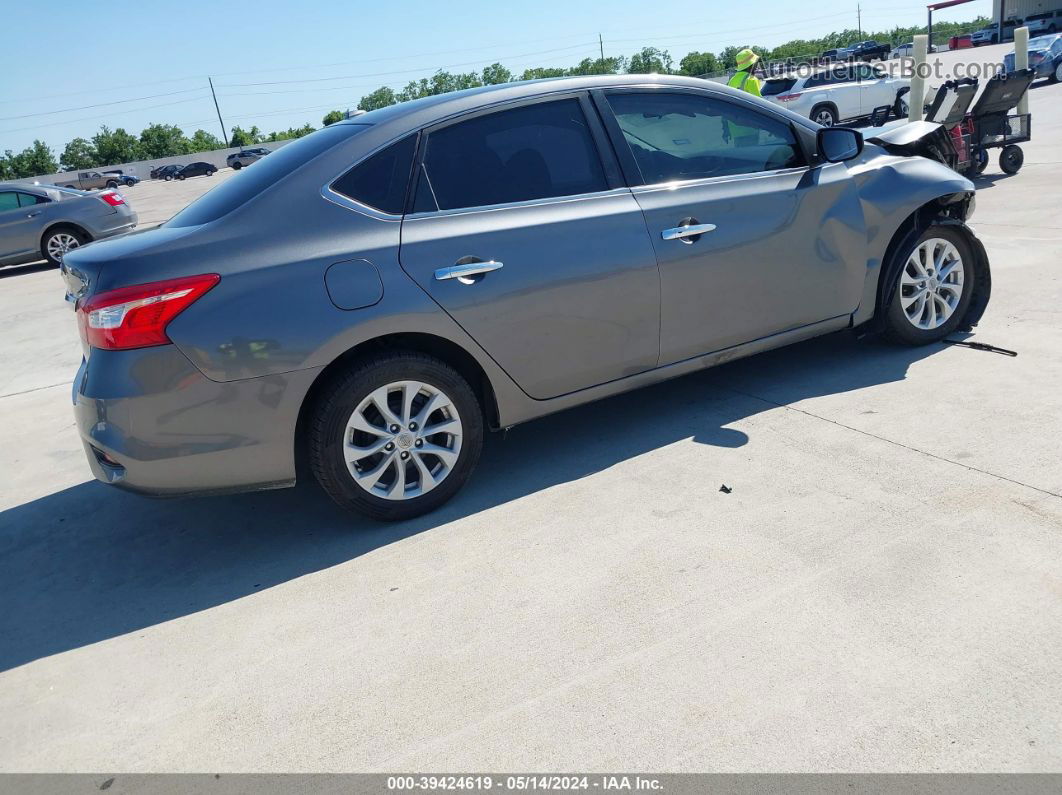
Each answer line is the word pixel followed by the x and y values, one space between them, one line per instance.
pixel 11 271
pixel 91 562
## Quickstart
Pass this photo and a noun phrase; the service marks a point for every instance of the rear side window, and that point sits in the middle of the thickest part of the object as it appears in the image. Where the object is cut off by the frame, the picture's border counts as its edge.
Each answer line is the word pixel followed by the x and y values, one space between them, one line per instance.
pixel 8 201
pixel 381 180
pixel 244 186
pixel 28 199
pixel 537 151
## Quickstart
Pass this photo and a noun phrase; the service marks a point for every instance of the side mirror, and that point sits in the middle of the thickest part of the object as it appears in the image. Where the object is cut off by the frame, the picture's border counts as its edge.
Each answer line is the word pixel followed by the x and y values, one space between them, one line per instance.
pixel 837 144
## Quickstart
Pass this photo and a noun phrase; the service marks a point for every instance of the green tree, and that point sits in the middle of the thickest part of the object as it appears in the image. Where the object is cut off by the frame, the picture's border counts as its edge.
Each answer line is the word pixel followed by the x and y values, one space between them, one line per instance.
pixel 380 98
pixel 650 60
pixel 599 66
pixel 202 141
pixel 7 167
pixel 698 63
pixel 540 72
pixel 291 132
pixel 34 161
pixel 332 117
pixel 242 137
pixel 78 154
pixel 496 74
pixel 163 140
pixel 115 147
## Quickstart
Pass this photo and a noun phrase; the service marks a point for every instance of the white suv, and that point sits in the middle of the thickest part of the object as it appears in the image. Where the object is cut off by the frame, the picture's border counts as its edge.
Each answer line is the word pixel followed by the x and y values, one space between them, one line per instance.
pixel 847 91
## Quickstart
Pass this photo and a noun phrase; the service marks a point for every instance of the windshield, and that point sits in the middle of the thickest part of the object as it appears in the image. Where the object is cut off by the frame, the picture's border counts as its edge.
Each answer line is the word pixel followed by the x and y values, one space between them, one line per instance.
pixel 244 186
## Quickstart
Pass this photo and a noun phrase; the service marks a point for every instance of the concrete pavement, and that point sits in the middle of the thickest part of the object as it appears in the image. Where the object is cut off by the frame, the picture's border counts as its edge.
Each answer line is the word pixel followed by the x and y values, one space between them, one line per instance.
pixel 880 591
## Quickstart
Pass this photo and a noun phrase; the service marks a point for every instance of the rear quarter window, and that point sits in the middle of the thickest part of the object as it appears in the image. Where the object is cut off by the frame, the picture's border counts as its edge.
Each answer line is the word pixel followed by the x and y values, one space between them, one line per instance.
pixel 243 187
pixel 380 181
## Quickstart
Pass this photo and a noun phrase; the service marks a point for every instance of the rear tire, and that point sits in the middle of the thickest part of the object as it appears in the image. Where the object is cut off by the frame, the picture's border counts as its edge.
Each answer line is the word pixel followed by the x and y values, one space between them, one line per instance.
pixel 168 177
pixel 1056 75
pixel 60 239
pixel 1011 159
pixel 826 115
pixel 112 184
pixel 382 465
pixel 924 307
pixel 181 177
pixel 237 166
pixel 900 107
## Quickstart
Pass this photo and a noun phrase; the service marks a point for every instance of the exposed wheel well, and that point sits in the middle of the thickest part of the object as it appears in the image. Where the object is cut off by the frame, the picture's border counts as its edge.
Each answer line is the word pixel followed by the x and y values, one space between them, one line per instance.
pixel 64 225
pixel 443 349
pixel 830 105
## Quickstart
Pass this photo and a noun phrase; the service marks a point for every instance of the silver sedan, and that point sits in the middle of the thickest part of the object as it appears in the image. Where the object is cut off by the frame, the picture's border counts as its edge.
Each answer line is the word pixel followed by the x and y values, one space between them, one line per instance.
pixel 44 222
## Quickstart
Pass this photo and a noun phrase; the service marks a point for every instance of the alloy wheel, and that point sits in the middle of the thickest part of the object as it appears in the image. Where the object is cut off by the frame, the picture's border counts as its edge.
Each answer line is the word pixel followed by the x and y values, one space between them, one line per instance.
pixel 402 440
pixel 824 117
pixel 60 243
pixel 931 283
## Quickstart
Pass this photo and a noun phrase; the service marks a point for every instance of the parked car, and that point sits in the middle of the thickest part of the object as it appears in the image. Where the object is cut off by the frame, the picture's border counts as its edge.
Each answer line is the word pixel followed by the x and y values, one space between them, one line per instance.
pixel 373 296
pixel 1045 57
pixel 838 54
pixel 990 34
pixel 166 172
pixel 46 221
pixel 90 180
pixel 1046 22
pixel 129 180
pixel 868 51
pixel 197 169
pixel 839 93
pixel 245 157
pixel 960 42
pixel 907 50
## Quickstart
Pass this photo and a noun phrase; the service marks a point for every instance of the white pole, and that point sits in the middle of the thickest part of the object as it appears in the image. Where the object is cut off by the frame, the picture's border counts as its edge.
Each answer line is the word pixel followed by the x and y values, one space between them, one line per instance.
pixel 917 98
pixel 1021 61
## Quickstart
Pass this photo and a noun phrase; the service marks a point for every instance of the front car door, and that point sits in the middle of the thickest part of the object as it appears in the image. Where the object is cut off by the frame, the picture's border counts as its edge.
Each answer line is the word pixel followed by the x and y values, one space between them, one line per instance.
pixel 18 225
pixel 751 240
pixel 567 293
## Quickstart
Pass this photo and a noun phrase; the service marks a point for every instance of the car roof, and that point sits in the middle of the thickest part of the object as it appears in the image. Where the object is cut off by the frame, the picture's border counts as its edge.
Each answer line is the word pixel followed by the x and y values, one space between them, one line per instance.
pixel 427 110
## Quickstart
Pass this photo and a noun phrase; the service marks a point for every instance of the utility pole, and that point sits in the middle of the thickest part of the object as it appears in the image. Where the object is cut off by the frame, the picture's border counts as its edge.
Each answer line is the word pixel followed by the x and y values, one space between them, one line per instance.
pixel 859 19
pixel 224 133
pixel 601 44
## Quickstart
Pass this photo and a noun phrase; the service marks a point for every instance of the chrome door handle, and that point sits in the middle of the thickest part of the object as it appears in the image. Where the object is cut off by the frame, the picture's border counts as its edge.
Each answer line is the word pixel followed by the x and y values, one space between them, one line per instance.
pixel 464 271
pixel 682 232
pixel 33 214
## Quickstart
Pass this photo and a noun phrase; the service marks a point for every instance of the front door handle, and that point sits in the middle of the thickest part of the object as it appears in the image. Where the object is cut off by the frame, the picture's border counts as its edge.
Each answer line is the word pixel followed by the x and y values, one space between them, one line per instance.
pixel 686 231
pixel 33 214
pixel 464 271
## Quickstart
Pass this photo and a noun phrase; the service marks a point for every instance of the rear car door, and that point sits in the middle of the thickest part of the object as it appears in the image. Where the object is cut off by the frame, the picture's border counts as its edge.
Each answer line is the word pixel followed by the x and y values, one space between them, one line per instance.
pixel 751 240
pixel 520 229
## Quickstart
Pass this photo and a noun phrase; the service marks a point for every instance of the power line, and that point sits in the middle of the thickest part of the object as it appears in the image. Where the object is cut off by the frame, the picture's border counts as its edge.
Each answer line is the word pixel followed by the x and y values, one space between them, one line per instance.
pixel 104 116
pixel 97 105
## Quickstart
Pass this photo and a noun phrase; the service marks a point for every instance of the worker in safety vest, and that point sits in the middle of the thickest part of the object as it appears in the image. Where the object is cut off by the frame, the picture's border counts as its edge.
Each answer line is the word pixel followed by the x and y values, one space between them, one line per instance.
pixel 743 79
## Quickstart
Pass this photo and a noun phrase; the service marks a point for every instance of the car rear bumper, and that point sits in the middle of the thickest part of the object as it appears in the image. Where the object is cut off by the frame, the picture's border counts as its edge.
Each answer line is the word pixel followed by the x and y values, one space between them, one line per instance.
pixel 154 424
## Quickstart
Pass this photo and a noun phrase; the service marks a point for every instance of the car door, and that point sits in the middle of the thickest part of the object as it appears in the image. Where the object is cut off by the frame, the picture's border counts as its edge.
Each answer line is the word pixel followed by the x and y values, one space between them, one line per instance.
pixel 17 226
pixel 521 229
pixel 750 239
pixel 872 88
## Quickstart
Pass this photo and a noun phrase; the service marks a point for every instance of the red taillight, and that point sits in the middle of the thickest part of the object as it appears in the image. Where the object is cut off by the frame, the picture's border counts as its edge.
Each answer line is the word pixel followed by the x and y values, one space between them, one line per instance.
pixel 137 316
pixel 112 198
pixel 787 97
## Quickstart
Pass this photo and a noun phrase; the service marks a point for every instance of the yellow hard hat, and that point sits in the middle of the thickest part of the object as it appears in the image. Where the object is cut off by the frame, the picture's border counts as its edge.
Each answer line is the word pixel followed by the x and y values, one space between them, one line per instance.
pixel 746 58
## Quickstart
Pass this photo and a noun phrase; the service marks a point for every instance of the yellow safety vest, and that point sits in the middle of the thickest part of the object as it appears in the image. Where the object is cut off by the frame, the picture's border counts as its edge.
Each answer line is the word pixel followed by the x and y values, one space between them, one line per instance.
pixel 745 81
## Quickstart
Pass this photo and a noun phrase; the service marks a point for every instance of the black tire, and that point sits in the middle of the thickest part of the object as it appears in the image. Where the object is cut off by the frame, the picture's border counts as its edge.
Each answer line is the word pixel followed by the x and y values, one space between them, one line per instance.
pixel 236 166
pixel 1056 73
pixel 112 184
pixel 824 110
pixel 897 106
pixel 902 331
pixel 979 164
pixel 168 177
pixel 1011 159
pixel 210 173
pixel 326 430
pixel 181 177
pixel 76 233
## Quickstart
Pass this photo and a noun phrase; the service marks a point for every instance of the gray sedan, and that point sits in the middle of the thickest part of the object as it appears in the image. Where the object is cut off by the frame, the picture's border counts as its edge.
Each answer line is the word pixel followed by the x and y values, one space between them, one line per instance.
pixel 370 299
pixel 44 221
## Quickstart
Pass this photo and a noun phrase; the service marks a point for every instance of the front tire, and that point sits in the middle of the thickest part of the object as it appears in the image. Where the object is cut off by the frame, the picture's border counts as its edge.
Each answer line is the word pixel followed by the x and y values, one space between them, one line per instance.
pixel 237 166
pixel 933 290
pixel 168 177
pixel 1011 159
pixel 395 436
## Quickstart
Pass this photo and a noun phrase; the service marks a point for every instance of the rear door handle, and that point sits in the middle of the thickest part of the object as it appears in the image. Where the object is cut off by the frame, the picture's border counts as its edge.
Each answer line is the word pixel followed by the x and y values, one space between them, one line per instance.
pixel 464 271
pixel 683 232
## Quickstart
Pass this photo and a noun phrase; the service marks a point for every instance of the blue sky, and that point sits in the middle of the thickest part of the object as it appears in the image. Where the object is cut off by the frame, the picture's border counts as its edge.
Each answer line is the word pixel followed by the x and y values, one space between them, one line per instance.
pixel 339 51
